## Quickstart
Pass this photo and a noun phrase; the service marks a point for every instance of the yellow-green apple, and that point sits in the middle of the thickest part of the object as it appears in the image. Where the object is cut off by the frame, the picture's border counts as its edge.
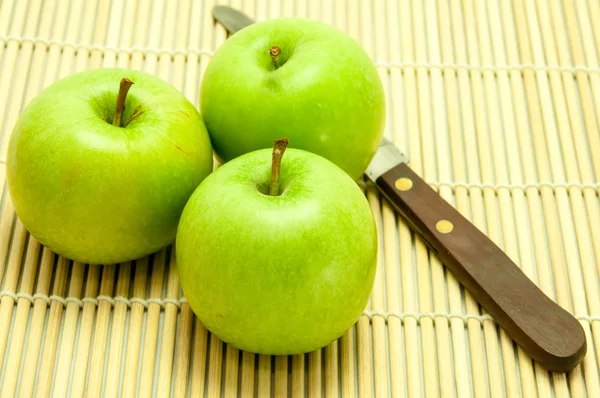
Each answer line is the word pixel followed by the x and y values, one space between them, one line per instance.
pixel 277 265
pixel 101 176
pixel 297 78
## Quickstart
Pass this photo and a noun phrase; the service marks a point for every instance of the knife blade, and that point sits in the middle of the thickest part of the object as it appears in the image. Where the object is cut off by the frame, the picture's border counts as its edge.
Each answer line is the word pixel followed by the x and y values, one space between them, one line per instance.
pixel 232 19
pixel 548 333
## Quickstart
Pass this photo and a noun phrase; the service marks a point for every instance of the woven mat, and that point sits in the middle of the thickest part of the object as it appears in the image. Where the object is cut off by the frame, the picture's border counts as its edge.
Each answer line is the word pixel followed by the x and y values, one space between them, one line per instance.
pixel 497 103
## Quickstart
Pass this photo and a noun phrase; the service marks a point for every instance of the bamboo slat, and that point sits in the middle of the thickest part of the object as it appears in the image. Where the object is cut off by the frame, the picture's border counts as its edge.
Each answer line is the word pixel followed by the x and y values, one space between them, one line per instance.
pixel 117 333
pixel 134 336
pixel 149 348
pixel 100 336
pixel 165 371
pixel 497 102
pixel 85 333
pixel 458 169
pixel 465 168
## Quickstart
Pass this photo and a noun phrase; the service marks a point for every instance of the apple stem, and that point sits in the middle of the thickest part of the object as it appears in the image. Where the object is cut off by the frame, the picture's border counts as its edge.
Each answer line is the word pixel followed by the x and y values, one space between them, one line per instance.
pixel 278 150
pixel 275 52
pixel 123 89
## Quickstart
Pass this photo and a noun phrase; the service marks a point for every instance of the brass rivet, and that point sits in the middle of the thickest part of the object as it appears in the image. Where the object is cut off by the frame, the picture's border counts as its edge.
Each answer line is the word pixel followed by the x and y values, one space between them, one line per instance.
pixel 403 184
pixel 444 226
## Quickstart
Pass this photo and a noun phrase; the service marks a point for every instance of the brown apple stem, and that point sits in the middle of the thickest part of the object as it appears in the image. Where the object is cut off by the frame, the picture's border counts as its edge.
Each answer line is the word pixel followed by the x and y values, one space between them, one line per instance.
pixel 278 150
pixel 123 89
pixel 275 52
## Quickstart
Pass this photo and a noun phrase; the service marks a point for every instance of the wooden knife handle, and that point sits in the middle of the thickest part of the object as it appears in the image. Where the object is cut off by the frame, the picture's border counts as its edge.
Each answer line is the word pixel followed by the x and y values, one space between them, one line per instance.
pixel 549 334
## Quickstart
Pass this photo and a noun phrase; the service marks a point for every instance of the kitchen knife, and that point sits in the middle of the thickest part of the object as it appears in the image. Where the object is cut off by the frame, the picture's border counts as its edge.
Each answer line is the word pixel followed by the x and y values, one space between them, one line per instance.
pixel 548 333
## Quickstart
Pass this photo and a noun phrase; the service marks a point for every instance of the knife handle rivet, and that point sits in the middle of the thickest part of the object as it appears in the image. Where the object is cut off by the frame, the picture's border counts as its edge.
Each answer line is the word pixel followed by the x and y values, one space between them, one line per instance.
pixel 403 184
pixel 444 226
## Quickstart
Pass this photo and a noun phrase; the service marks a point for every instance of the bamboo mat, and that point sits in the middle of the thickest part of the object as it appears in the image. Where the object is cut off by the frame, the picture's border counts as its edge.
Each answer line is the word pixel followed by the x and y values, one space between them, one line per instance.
pixel 497 102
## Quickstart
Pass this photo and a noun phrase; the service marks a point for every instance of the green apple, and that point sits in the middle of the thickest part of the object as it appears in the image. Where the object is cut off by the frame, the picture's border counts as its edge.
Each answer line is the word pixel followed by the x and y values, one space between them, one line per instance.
pixel 277 267
pixel 297 78
pixel 101 176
